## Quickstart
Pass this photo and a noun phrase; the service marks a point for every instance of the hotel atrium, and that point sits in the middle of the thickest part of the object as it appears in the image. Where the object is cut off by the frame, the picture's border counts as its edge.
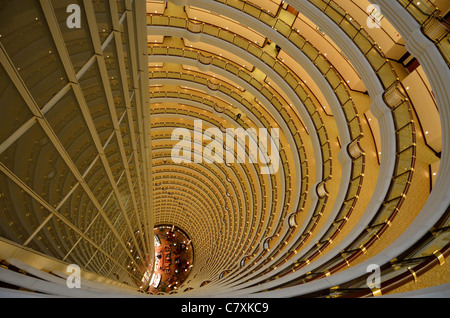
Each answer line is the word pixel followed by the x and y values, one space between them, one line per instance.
pixel 351 198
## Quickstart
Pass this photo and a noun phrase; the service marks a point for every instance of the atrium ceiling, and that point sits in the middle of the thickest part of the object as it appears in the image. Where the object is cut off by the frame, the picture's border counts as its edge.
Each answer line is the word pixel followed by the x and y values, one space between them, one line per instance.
pixel 346 101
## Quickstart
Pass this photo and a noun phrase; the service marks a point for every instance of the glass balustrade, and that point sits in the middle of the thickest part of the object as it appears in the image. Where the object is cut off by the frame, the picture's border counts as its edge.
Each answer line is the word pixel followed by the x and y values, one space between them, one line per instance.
pixel 385 72
pixel 407 267
pixel 379 63
pixel 434 26
pixel 196 114
pixel 342 92
pixel 335 80
pixel 202 80
pixel 284 161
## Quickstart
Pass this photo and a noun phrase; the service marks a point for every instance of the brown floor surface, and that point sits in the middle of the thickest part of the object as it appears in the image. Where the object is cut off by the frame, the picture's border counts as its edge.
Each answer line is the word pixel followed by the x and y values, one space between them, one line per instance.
pixel 174 259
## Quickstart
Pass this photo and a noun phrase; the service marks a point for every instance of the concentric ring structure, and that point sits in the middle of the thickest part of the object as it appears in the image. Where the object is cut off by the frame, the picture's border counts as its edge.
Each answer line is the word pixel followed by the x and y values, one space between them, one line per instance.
pixel 349 199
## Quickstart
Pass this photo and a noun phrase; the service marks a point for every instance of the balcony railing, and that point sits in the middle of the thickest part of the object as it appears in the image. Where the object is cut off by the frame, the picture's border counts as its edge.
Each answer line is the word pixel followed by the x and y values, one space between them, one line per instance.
pixel 432 23
pixel 320 61
pixel 401 110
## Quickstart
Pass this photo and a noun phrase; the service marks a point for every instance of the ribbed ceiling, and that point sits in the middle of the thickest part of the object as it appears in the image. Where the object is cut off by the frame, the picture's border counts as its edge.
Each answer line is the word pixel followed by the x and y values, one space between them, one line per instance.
pixel 92 118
